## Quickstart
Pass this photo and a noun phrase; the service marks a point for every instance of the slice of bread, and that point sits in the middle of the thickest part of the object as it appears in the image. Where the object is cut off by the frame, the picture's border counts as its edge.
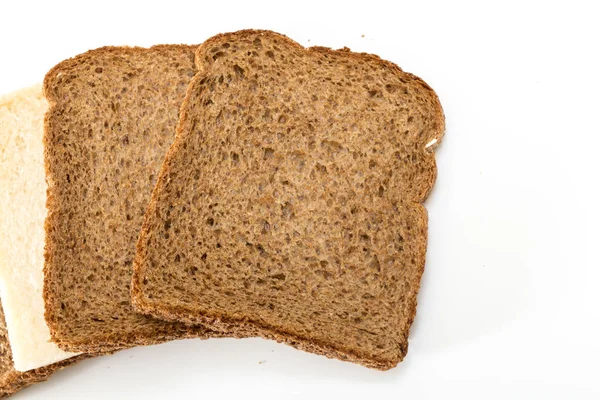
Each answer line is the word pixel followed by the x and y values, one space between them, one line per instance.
pixel 22 214
pixel 112 117
pixel 289 205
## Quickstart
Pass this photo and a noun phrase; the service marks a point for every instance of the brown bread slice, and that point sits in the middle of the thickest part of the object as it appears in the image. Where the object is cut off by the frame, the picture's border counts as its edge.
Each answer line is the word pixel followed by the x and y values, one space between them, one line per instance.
pixel 112 116
pixel 290 202
pixel 11 380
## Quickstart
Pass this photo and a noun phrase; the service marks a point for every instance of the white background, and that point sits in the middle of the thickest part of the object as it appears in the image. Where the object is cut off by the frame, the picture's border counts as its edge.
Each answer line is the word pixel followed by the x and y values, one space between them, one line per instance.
pixel 510 301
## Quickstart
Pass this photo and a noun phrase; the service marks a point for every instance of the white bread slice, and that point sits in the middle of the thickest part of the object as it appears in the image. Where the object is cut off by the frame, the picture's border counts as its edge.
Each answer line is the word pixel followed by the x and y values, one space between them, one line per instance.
pixel 22 215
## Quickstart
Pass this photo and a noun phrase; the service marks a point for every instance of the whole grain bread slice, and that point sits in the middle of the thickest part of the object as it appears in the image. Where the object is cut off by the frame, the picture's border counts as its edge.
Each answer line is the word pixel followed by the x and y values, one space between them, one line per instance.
pixel 112 116
pixel 11 380
pixel 289 205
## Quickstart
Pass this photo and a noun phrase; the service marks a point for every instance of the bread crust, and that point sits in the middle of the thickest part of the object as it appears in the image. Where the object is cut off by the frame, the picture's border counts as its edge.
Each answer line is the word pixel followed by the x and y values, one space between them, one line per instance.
pixel 11 380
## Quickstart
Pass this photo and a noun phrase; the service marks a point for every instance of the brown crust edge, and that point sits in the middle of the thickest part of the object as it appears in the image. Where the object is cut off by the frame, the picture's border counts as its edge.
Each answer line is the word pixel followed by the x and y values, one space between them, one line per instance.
pixel 13 381
pixel 244 326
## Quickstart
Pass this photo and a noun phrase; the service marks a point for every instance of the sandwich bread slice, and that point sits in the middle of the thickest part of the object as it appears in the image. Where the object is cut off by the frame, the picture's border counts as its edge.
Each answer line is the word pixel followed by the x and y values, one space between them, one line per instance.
pixel 290 204
pixel 112 116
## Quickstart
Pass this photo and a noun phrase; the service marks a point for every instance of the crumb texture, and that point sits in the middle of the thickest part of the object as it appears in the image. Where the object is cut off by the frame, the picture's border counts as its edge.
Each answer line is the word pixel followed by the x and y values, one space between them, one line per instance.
pixel 113 113
pixel 289 205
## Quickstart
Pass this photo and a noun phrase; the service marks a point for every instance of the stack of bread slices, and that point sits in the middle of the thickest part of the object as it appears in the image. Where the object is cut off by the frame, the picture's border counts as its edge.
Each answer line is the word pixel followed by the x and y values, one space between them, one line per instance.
pixel 244 187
